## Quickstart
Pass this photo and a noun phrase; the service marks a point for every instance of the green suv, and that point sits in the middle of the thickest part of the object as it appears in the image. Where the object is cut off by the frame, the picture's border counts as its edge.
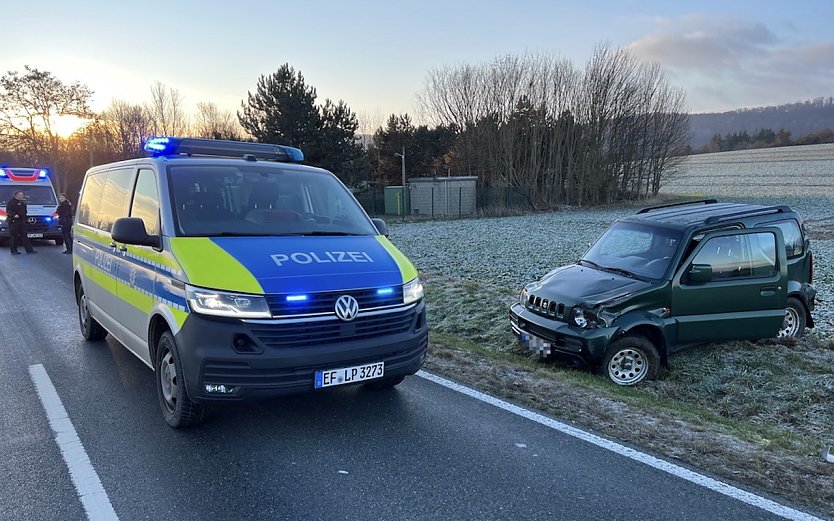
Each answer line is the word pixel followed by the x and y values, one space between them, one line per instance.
pixel 669 277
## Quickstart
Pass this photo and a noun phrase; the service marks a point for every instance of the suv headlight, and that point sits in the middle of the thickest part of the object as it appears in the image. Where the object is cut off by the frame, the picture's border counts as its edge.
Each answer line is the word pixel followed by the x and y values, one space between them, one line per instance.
pixel 412 291
pixel 523 296
pixel 224 304
pixel 584 318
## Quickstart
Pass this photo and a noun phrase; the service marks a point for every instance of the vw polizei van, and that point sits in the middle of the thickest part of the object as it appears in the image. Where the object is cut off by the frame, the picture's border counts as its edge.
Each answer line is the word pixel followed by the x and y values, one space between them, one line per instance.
pixel 236 273
pixel 40 200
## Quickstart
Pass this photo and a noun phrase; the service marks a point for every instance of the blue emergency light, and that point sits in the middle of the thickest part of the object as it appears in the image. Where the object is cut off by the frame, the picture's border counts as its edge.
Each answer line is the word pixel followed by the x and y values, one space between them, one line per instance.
pixel 171 146
pixel 42 174
pixel 296 298
pixel 385 291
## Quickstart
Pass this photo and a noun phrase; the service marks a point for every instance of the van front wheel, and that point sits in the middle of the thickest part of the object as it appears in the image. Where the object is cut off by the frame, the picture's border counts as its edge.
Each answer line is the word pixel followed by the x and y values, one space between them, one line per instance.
pixel 630 360
pixel 177 408
pixel 90 329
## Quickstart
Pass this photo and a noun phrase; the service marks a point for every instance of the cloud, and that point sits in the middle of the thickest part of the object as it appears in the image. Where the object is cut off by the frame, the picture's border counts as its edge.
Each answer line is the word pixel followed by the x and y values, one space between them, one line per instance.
pixel 725 63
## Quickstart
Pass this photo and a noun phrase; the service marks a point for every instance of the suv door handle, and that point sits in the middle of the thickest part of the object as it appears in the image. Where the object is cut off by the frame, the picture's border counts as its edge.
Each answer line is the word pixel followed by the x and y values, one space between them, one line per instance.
pixel 768 291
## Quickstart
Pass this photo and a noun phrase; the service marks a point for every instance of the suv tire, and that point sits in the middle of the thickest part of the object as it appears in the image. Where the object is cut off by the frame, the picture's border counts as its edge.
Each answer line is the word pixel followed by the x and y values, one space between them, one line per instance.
pixel 90 329
pixel 177 408
pixel 794 324
pixel 630 360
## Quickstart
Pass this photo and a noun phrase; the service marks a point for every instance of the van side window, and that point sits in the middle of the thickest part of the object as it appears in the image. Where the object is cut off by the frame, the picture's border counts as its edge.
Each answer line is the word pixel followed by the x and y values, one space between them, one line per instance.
pixel 739 256
pixel 114 198
pixel 146 201
pixel 792 234
pixel 90 197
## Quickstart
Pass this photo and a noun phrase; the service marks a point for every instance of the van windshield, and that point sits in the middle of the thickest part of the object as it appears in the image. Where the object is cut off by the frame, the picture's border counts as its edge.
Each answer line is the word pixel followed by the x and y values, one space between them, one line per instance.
pixel 41 195
pixel 634 249
pixel 263 200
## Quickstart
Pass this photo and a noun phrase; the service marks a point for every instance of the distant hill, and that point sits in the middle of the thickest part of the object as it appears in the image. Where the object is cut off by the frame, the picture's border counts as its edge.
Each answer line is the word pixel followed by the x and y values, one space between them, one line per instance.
pixel 798 118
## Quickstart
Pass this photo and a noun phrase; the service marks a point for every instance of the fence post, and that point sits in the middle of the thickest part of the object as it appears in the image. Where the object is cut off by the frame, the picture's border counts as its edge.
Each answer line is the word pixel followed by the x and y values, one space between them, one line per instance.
pixel 460 201
pixel 432 201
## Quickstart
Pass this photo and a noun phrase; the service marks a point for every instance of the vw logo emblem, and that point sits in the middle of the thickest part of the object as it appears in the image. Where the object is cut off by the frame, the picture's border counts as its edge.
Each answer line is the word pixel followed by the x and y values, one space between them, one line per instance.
pixel 347 308
pixel 32 220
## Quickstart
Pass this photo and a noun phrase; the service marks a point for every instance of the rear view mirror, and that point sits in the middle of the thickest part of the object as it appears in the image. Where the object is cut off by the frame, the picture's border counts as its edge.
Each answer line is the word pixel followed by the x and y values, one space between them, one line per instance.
pixel 131 230
pixel 699 273
pixel 381 227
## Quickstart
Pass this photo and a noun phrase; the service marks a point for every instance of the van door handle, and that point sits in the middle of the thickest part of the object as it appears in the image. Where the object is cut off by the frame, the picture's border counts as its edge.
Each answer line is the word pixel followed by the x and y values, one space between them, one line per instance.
pixel 768 291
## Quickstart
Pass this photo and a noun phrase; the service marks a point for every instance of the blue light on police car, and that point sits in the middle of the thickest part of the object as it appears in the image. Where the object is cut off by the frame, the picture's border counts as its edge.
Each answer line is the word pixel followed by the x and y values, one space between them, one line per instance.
pixel 385 291
pixel 3 173
pixel 42 174
pixel 160 145
pixel 293 154
pixel 296 298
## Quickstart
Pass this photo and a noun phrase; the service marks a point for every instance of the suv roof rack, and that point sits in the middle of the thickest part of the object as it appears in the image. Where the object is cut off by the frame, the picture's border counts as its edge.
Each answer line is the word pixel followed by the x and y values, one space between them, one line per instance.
pixel 171 146
pixel 699 201
pixel 748 213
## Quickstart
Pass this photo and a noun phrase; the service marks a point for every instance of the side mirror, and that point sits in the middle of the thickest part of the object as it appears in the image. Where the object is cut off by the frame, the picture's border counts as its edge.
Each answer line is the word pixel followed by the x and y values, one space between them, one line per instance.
pixel 131 230
pixel 381 227
pixel 699 273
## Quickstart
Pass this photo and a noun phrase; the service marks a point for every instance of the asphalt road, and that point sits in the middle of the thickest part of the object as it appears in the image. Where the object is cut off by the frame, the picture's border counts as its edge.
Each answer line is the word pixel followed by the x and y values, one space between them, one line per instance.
pixel 420 451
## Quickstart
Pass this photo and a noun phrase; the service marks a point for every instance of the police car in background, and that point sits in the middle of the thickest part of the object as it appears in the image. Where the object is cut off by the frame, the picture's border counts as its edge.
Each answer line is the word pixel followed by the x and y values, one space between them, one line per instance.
pixel 235 273
pixel 40 201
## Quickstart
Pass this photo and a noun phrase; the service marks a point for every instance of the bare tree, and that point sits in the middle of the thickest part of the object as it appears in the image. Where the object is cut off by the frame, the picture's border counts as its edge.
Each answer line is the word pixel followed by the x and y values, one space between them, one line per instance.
pixel 166 111
pixel 537 125
pixel 213 123
pixel 129 126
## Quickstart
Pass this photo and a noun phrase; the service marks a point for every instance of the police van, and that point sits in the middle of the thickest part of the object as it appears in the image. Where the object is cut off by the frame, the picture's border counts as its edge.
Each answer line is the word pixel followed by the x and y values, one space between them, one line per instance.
pixel 40 201
pixel 236 273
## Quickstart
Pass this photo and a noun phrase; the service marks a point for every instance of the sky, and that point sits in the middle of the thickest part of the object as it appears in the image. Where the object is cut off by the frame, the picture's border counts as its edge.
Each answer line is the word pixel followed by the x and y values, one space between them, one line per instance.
pixel 375 54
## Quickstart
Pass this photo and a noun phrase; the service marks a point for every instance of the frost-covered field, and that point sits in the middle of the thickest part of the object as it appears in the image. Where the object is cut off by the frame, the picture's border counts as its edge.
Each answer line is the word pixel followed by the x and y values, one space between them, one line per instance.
pixel 500 255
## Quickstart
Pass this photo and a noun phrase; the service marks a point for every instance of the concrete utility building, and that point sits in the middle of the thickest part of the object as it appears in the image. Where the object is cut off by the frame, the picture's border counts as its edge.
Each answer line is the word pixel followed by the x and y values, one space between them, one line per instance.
pixel 442 196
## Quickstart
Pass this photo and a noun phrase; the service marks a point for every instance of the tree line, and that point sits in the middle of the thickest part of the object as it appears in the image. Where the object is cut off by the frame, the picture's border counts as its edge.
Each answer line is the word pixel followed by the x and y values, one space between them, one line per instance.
pixel 764 138
pixel 534 124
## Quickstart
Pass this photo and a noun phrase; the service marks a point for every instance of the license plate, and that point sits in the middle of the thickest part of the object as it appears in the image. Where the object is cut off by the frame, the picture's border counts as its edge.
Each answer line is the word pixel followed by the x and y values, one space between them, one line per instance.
pixel 349 375
pixel 534 342
pixel 34 235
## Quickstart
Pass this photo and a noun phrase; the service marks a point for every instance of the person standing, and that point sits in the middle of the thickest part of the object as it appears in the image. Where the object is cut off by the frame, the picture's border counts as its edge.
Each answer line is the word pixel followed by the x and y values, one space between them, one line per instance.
pixel 16 215
pixel 65 220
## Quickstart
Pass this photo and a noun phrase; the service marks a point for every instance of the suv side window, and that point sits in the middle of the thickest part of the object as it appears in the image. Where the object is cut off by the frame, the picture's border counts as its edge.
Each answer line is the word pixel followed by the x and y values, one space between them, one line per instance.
pixel 739 256
pixel 792 234
pixel 146 201
pixel 114 198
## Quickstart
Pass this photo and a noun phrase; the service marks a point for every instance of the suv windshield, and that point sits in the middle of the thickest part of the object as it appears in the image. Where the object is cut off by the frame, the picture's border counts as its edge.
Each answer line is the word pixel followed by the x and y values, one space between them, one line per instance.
pixel 263 200
pixel 634 249
pixel 41 195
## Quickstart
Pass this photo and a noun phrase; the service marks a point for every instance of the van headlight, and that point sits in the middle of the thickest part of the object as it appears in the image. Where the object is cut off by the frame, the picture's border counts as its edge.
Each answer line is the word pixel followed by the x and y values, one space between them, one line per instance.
pixel 412 291
pixel 224 304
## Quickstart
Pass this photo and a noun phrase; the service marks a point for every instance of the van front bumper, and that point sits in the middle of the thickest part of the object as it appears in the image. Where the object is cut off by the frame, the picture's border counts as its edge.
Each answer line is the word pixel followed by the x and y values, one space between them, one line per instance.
pixel 262 358
pixel 548 337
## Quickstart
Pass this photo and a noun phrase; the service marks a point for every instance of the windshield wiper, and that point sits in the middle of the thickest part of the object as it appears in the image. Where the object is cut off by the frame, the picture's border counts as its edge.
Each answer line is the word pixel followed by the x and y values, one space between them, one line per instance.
pixel 592 263
pixel 622 272
pixel 325 233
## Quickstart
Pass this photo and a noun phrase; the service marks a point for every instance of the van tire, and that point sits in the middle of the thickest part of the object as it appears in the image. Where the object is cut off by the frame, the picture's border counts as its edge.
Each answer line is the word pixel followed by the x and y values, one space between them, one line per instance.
pixel 90 329
pixel 794 323
pixel 177 408
pixel 630 360
pixel 385 383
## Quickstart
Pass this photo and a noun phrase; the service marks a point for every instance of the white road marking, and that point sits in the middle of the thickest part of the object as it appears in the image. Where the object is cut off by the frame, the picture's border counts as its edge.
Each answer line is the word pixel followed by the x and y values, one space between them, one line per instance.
pixel 83 475
pixel 657 463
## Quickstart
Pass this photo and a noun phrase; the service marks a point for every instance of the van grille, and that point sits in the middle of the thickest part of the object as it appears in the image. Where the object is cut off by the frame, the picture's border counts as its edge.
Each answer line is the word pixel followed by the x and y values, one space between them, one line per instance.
pixel 301 334
pixel 325 302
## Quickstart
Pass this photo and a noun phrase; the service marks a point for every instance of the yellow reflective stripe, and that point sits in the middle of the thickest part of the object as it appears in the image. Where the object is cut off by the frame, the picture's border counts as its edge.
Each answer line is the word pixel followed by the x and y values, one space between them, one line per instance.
pixel 210 266
pixel 407 269
pixel 179 316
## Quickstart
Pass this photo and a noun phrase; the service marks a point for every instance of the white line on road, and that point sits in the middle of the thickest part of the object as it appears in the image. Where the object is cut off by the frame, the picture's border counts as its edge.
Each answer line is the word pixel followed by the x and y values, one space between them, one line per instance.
pixel 82 473
pixel 665 466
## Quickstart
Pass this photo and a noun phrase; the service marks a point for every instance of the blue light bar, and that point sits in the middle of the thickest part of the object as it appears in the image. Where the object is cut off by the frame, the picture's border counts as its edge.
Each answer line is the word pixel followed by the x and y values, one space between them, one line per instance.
pixel 168 146
pixel 42 174
pixel 385 291
pixel 3 173
pixel 296 298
